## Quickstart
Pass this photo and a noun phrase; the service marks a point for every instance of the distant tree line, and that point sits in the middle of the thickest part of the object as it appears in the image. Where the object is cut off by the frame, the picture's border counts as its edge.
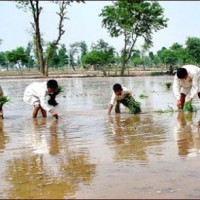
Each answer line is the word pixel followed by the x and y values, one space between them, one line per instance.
pixel 129 19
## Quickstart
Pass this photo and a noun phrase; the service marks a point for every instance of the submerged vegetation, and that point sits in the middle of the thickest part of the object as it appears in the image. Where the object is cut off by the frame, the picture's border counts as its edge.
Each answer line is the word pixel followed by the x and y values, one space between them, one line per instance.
pixel 142 96
pixel 169 110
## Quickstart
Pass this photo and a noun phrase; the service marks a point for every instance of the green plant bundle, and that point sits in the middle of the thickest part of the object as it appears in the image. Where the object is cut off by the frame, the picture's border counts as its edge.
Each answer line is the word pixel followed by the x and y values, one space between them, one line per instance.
pixel 168 84
pixel 134 106
pixel 59 90
pixel 189 107
pixel 4 100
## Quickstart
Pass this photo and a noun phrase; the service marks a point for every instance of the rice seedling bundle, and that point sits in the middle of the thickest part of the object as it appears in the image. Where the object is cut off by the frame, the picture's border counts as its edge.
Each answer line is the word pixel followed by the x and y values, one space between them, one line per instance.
pixel 134 106
pixel 4 100
pixel 189 107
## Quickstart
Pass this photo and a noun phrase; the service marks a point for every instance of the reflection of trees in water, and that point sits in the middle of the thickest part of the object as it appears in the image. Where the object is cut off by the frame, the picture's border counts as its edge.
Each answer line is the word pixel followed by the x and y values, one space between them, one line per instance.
pixel 134 136
pixel 55 173
pixel 31 179
pixel 3 137
pixel 187 135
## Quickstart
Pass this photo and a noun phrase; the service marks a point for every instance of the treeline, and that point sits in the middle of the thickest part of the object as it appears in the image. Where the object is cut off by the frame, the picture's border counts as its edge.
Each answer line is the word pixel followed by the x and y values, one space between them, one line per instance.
pixel 101 56
pixel 130 20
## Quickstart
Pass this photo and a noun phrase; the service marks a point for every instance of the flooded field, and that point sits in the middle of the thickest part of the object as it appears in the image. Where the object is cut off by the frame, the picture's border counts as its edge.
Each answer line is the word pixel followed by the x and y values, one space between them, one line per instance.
pixel 89 154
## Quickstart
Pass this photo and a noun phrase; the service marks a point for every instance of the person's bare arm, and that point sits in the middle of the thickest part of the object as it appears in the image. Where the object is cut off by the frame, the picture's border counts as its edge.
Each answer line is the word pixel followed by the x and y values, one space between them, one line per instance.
pixel 110 106
pixel 54 114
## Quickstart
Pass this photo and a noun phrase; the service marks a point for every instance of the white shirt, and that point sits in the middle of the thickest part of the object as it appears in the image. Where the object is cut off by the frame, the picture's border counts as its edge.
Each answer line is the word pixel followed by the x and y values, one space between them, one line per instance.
pixel 37 90
pixel 114 97
pixel 192 81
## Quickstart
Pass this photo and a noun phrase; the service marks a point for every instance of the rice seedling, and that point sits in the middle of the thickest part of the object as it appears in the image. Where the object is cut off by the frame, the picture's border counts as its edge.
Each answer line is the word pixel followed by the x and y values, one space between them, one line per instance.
pixel 169 110
pixel 142 96
pixel 52 101
pixel 189 107
pixel 59 90
pixel 4 100
pixel 134 106
pixel 168 85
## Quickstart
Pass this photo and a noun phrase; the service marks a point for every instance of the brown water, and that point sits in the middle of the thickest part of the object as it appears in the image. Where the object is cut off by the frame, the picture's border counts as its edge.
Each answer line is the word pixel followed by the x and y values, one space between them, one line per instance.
pixel 88 154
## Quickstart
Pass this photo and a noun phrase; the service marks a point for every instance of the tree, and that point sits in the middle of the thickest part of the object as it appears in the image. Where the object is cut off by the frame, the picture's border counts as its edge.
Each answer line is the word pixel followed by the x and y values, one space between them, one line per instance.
pixel 72 52
pixel 193 47
pixel 167 56
pixel 3 60
pixel 17 57
pixel 29 49
pixel 34 7
pixel 132 20
pixel 101 55
pixel 63 57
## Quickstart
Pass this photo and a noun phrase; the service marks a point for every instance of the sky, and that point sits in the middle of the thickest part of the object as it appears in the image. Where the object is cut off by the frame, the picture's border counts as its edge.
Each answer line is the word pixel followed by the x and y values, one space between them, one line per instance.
pixel 84 24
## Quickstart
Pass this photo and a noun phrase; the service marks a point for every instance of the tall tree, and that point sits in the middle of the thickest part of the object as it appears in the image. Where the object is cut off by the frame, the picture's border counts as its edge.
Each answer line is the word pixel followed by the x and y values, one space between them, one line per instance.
pixel 132 20
pixel 193 47
pixel 34 7
pixel 63 57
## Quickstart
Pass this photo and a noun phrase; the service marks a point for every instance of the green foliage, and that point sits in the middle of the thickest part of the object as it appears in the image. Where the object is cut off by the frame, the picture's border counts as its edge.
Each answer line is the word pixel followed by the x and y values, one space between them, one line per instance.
pixel 193 47
pixel 3 60
pixel 4 100
pixel 102 54
pixel 134 106
pixel 189 107
pixel 167 56
pixel 133 20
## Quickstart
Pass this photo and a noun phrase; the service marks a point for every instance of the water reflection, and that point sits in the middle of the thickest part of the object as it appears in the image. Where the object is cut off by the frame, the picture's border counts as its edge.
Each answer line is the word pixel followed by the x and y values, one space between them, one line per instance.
pixel 50 169
pixel 187 135
pixel 3 136
pixel 133 137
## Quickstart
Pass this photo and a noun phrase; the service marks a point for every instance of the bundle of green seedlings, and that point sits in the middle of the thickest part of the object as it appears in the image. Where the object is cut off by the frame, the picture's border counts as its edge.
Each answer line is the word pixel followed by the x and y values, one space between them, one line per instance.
pixel 189 107
pixel 52 101
pixel 168 84
pixel 134 106
pixel 4 100
pixel 59 90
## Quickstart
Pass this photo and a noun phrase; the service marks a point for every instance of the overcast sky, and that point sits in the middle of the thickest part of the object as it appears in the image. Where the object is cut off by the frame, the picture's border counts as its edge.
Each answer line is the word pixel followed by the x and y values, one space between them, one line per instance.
pixel 85 24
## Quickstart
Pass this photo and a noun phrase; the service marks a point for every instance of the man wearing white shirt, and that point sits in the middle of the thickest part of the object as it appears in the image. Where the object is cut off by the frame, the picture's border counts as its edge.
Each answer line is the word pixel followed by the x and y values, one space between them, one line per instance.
pixel 37 94
pixel 186 82
pixel 120 95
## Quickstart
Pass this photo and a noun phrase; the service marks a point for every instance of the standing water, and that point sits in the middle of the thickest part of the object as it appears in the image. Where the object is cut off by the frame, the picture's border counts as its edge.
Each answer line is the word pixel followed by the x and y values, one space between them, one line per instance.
pixel 89 154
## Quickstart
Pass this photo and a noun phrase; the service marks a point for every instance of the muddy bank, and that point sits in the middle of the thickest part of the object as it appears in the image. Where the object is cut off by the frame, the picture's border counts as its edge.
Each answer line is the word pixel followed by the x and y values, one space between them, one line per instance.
pixel 80 75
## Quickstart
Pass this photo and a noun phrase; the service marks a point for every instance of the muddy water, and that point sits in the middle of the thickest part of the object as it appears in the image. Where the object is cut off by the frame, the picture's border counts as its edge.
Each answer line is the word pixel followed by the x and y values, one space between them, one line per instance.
pixel 88 154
